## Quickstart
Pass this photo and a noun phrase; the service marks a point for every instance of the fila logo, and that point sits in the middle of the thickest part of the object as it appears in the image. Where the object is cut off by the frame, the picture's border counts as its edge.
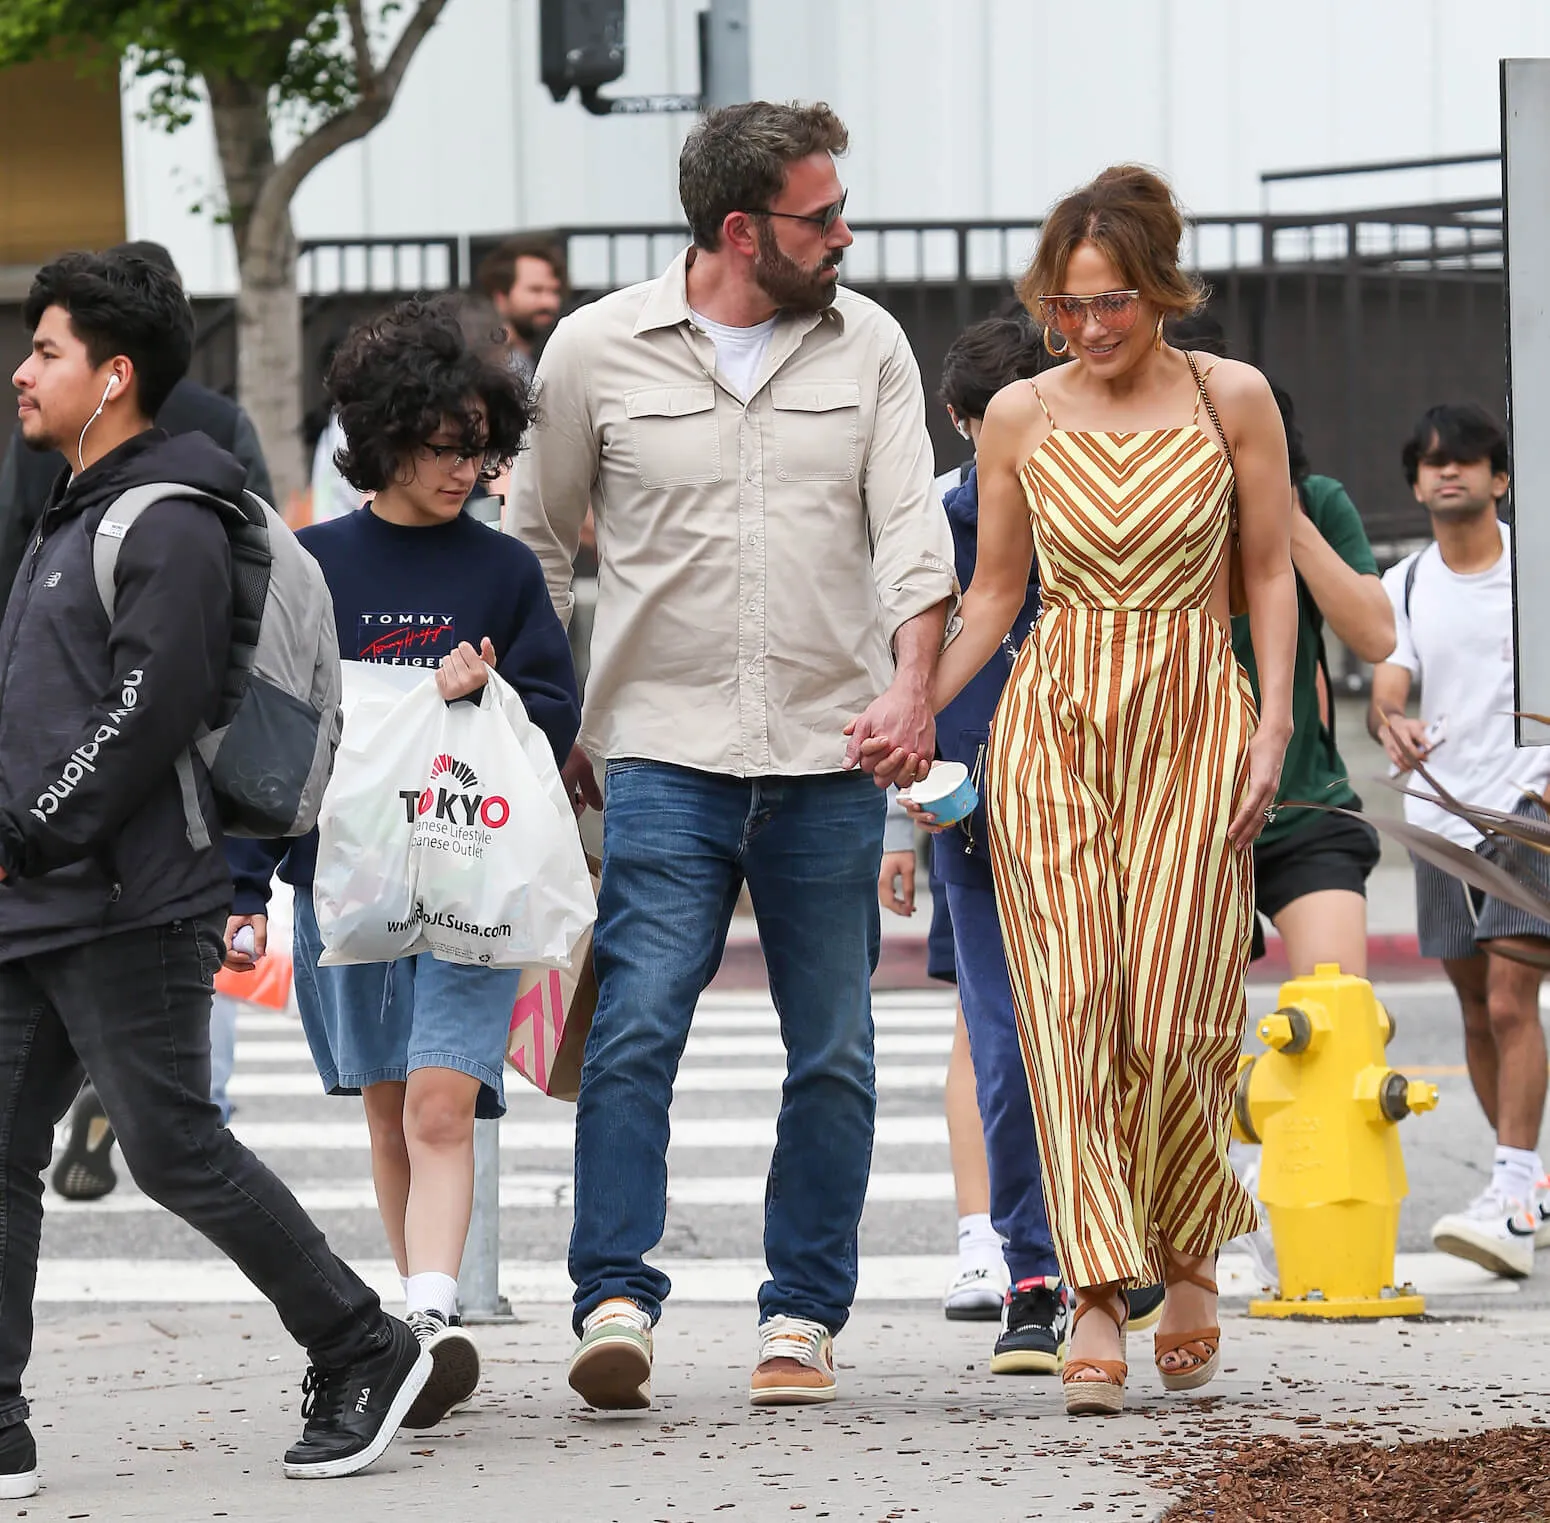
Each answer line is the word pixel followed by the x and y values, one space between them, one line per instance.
pixel 53 578
pixel 360 1406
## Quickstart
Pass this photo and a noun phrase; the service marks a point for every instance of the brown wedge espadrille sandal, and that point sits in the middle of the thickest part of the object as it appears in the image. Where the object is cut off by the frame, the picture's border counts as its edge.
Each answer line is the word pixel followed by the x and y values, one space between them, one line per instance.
pixel 1086 1397
pixel 1202 1347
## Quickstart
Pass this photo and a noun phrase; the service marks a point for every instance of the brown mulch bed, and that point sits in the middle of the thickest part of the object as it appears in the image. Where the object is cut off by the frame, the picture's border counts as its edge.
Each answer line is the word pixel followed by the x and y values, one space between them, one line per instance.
pixel 1491 1477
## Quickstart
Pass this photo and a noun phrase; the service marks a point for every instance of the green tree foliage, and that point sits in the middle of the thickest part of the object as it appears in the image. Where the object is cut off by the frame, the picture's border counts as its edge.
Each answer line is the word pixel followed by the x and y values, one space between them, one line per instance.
pixel 324 73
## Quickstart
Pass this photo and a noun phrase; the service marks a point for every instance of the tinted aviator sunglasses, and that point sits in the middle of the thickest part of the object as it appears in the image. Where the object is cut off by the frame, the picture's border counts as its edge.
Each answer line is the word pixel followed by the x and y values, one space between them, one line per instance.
pixel 1113 310
pixel 823 220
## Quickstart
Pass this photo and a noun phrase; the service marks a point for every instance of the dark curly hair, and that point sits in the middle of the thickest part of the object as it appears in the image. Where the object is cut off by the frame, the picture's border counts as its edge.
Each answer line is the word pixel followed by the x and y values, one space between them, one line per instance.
pixel 121 303
pixel 398 378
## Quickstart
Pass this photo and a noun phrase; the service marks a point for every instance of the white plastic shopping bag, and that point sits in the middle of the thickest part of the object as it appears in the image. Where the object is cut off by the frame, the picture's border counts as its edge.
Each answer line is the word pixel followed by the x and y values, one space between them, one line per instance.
pixel 364 887
pixel 501 874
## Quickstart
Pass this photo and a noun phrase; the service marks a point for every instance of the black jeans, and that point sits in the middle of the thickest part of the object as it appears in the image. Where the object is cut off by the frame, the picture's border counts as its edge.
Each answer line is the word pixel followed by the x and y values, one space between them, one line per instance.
pixel 133 1010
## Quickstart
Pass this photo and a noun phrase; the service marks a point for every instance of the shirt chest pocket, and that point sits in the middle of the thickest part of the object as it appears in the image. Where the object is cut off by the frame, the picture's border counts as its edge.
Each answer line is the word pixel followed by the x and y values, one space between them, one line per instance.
pixel 815 429
pixel 675 435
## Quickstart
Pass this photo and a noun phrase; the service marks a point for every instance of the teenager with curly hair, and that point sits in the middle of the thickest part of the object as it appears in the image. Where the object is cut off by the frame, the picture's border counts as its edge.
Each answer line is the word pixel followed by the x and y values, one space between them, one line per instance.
pixel 427 411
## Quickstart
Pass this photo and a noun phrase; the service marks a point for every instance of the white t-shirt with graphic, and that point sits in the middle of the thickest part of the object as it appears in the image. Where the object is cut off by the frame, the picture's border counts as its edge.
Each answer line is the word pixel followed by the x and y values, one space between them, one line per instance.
pixel 1458 642
pixel 739 351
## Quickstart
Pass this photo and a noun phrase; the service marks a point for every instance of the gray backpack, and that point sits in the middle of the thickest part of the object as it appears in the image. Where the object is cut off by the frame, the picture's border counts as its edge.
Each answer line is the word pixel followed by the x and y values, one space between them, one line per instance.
pixel 271 750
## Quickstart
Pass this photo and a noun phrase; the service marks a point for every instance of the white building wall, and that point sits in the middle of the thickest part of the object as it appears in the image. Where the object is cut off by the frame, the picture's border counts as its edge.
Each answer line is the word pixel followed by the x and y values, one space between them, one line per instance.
pixel 957 109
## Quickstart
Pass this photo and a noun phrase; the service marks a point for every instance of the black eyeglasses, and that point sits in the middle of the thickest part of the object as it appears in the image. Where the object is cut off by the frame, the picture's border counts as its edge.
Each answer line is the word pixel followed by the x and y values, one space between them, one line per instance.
pixel 453 456
pixel 823 220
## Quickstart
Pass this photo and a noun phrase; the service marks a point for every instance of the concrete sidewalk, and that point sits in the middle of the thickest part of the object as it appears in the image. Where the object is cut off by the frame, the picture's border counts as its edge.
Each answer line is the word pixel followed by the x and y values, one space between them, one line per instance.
pixel 184 1414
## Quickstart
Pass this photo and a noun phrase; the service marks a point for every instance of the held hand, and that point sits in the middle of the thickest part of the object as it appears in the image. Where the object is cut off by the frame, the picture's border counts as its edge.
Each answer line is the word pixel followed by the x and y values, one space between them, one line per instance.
pixel 896 882
pixel 465 670
pixel 922 817
pixel 1405 741
pixel 245 961
pixel 895 738
pixel 580 779
pixel 1266 751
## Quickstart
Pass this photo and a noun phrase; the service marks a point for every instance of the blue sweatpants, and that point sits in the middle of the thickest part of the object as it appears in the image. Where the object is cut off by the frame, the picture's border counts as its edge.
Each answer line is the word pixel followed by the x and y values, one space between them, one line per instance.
pixel 1001 1083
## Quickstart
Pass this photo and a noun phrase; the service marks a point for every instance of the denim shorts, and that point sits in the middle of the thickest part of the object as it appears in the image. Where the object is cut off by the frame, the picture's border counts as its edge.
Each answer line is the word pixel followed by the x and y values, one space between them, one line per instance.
pixel 376 1022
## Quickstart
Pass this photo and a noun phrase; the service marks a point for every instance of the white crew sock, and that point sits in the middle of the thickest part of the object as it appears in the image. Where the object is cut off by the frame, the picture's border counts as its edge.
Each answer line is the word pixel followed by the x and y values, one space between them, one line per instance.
pixel 1516 1172
pixel 978 1241
pixel 431 1292
pixel 403 1280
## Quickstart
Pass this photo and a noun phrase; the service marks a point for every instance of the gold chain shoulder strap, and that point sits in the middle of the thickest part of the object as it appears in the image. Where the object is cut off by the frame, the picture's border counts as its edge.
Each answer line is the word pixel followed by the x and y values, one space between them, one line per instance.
pixel 1205 396
pixel 1216 423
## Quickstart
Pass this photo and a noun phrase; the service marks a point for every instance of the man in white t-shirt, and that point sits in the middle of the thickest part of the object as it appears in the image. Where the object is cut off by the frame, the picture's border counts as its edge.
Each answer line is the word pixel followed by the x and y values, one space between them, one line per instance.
pixel 1454 628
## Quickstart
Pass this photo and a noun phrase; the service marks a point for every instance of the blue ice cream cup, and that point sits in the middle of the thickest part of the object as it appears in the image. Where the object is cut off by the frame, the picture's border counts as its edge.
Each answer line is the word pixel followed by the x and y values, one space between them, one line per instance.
pixel 945 793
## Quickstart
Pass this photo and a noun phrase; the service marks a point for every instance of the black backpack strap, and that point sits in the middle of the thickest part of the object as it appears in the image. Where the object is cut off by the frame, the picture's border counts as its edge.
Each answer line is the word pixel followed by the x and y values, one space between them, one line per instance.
pixel 1410 571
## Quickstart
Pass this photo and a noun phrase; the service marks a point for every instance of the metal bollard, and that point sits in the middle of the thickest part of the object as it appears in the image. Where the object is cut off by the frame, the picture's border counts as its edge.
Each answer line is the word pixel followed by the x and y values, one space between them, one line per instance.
pixel 478 1287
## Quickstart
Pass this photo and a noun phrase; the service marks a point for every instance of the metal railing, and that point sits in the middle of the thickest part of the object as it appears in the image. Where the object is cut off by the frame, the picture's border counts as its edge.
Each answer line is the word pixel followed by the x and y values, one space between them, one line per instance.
pixel 1453 235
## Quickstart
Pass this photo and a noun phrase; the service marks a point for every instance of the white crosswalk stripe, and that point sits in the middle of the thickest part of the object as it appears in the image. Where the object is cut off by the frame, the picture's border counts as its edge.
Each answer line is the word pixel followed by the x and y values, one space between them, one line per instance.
pixel 722 1135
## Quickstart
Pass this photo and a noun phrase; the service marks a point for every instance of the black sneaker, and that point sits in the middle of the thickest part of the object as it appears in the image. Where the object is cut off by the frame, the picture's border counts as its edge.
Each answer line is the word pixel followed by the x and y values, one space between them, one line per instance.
pixel 18 1463
pixel 1146 1304
pixel 454 1372
pixel 1035 1318
pixel 352 1414
pixel 85 1169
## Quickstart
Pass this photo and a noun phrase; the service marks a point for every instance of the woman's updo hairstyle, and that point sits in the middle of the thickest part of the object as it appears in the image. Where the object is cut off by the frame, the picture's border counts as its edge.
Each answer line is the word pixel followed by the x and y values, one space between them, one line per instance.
pixel 1130 213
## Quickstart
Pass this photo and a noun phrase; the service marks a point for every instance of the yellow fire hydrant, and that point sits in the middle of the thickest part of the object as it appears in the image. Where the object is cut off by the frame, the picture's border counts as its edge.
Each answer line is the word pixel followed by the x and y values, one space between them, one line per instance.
pixel 1324 1104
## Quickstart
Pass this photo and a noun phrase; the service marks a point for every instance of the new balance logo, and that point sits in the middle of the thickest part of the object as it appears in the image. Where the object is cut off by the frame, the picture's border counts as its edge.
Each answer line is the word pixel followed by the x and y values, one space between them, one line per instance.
pixel 365 1396
pixel 53 578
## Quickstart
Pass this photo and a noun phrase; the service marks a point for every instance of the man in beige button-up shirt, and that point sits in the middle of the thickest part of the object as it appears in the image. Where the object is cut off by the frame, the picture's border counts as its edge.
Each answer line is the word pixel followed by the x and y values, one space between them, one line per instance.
pixel 775 573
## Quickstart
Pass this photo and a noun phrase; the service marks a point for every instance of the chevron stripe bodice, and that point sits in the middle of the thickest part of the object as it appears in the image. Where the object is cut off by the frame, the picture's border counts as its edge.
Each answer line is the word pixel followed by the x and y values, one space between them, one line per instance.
pixel 1129 520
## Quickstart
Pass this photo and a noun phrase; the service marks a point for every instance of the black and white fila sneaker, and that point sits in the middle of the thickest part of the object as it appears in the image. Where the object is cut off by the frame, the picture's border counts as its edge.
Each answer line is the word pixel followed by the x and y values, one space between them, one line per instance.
pixel 351 1414
pixel 455 1367
pixel 18 1463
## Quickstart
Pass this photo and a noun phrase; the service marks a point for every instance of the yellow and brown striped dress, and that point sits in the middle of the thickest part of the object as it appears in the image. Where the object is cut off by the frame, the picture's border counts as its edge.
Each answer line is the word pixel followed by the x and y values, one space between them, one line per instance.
pixel 1118 755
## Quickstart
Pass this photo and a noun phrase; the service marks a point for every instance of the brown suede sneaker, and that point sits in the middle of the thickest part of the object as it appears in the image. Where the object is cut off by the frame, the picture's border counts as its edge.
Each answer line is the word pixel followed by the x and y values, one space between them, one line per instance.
pixel 796 1364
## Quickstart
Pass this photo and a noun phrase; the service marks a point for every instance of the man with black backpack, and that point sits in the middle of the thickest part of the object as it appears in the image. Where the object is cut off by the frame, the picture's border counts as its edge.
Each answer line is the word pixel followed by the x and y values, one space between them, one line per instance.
pixel 113 884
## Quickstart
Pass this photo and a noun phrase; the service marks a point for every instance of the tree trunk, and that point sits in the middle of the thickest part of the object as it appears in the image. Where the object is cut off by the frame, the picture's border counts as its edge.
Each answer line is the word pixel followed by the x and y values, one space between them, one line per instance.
pixel 268 308
pixel 269 359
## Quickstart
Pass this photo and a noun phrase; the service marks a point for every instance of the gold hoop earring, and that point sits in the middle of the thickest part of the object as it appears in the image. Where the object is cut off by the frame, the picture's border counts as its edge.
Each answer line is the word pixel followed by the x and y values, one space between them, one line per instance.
pixel 1157 342
pixel 1059 353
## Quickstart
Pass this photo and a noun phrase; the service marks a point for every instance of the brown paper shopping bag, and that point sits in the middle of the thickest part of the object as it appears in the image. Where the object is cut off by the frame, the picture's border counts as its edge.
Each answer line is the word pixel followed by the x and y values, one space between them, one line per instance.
pixel 552 1016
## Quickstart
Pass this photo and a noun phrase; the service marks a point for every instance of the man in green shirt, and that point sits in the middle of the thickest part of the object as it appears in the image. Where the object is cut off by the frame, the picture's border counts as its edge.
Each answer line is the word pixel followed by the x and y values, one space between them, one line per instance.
pixel 1311 868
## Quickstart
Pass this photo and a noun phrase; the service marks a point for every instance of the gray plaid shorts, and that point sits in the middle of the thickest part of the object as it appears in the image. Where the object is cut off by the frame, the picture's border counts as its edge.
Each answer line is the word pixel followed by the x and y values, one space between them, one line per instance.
pixel 1452 918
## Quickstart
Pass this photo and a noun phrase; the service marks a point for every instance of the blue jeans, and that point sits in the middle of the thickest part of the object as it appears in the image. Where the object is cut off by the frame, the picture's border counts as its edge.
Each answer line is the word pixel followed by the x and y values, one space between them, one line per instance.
pixel 1017 1208
pixel 677 847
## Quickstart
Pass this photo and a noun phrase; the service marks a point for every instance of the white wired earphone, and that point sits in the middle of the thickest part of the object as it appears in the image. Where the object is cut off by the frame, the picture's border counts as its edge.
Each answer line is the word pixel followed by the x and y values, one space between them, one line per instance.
pixel 80 443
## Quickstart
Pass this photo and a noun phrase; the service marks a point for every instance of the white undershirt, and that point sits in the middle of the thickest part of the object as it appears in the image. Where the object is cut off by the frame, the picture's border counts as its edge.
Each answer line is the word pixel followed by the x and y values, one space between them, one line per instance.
pixel 739 351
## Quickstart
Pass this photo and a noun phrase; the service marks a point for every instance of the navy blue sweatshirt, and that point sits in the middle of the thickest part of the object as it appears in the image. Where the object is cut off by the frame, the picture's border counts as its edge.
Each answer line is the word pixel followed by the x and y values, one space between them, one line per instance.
pixel 962 855
pixel 407 597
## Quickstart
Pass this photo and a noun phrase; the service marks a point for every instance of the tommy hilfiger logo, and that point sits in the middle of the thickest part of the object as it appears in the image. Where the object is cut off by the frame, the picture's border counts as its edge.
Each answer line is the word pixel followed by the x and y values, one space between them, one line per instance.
pixel 53 578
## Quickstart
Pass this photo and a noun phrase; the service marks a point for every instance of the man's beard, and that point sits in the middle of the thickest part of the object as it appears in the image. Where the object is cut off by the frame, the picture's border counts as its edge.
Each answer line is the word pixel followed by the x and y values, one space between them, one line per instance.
pixel 1460 509
pixel 788 284
pixel 532 326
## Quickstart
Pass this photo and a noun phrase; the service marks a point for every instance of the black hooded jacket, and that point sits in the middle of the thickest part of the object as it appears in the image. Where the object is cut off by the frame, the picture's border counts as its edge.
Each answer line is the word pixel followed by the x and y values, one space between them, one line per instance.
pixel 93 716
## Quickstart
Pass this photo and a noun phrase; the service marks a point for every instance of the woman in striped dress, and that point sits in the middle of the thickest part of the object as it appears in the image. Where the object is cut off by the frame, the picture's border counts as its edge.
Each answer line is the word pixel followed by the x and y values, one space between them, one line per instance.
pixel 1129 773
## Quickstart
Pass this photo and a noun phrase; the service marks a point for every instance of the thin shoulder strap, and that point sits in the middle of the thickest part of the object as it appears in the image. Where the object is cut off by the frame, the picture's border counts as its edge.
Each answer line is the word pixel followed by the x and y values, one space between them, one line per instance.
pixel 1049 416
pixel 1205 396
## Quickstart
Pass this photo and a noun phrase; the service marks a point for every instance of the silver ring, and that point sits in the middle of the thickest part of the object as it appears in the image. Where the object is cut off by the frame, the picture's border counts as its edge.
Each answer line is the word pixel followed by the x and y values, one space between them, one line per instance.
pixel 1270 815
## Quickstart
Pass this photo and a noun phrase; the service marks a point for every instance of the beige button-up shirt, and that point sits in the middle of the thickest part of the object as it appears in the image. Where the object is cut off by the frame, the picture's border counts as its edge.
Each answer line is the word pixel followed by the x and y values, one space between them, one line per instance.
pixel 755 557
